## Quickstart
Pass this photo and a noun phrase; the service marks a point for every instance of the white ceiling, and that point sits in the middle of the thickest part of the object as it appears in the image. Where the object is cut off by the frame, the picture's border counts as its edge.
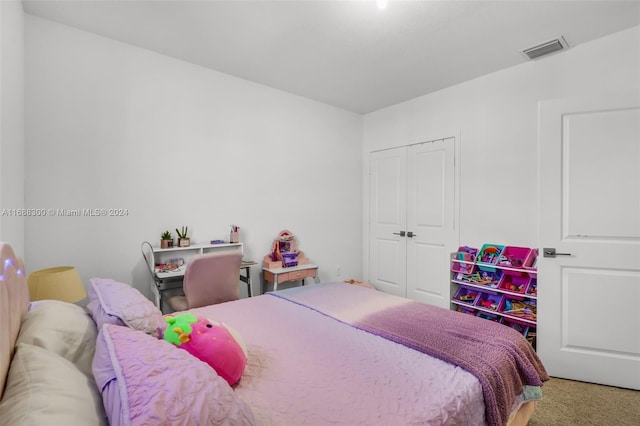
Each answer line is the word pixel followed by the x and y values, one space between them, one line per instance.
pixel 346 53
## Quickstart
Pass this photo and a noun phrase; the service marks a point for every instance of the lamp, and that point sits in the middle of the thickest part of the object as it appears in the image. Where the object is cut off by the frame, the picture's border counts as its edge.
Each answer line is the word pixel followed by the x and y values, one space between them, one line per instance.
pixel 59 283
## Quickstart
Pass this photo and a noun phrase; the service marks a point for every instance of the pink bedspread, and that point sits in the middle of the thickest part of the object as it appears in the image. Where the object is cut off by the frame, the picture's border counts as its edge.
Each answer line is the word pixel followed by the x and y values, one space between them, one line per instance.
pixel 502 360
pixel 305 368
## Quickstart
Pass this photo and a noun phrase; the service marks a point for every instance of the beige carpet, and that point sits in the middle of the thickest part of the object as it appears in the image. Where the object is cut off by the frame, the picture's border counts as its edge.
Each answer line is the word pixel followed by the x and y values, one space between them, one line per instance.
pixel 567 403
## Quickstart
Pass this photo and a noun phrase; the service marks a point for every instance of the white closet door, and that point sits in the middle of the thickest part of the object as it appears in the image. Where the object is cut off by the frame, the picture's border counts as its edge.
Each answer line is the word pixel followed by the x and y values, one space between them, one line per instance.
pixel 430 220
pixel 387 249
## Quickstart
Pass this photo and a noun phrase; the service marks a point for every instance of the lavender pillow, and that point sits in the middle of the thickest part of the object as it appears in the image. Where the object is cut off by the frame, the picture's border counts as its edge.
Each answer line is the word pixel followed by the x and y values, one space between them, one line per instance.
pixel 111 302
pixel 148 381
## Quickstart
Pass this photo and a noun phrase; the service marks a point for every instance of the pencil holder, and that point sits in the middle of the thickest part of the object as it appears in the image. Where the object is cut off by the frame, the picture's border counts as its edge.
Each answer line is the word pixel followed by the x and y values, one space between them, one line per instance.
pixel 234 237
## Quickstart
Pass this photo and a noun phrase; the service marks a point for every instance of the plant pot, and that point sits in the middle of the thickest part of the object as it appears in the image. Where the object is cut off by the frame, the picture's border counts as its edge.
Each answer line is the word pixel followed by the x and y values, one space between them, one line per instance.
pixel 166 243
pixel 184 242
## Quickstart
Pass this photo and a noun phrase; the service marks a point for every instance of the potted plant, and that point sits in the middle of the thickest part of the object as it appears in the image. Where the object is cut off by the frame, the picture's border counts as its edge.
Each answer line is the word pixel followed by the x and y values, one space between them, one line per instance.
pixel 166 240
pixel 183 240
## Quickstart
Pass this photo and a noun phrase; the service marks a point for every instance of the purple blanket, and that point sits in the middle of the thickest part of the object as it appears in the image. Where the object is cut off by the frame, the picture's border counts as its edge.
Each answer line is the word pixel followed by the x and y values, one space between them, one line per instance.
pixel 501 359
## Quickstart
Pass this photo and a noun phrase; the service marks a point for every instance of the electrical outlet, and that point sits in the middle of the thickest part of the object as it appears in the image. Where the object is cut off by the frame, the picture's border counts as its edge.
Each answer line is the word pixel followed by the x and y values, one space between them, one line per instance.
pixel 338 271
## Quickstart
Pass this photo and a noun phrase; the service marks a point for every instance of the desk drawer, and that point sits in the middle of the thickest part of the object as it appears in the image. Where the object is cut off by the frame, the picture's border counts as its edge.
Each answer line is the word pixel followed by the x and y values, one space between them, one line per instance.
pixel 291 276
pixel 299 275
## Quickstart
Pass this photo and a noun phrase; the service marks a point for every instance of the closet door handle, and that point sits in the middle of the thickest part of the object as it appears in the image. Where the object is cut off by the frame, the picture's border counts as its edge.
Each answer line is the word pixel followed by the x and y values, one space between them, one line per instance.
pixel 411 234
pixel 401 233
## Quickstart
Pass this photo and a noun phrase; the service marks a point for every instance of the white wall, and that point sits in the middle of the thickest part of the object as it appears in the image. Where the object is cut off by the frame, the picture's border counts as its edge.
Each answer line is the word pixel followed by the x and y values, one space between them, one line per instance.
pixel 109 125
pixel 12 225
pixel 496 117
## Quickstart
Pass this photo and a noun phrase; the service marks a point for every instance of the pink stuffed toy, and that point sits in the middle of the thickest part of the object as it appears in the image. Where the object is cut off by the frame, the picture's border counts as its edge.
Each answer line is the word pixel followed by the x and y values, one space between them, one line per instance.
pixel 209 341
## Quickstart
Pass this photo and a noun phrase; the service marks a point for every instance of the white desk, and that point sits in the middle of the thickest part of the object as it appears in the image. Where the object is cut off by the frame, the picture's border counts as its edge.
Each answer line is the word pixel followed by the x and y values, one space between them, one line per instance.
pixel 293 273
pixel 172 279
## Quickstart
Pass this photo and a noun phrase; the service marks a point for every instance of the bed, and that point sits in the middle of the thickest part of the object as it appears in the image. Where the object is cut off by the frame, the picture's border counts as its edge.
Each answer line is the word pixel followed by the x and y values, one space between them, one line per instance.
pixel 329 353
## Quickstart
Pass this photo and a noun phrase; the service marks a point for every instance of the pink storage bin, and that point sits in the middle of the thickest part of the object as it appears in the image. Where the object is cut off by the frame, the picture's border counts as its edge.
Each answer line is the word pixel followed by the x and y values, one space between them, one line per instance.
pixel 488 256
pixel 514 283
pixel 514 257
pixel 491 301
pixel 531 264
pixel 532 289
pixel 467 254
pixel 466 295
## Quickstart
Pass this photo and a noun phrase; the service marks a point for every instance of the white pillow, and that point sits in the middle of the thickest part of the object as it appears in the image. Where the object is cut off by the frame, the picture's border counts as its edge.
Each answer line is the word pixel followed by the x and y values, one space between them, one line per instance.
pixel 46 389
pixel 62 328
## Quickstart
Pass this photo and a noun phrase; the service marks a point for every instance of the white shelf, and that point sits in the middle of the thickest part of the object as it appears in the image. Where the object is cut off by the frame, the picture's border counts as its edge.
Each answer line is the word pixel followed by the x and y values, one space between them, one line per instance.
pixel 196 247
pixel 494 290
pixel 524 271
pixel 497 313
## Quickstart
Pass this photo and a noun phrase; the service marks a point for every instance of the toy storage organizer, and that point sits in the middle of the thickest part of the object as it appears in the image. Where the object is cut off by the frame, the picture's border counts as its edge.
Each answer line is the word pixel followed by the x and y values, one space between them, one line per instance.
pixel 498 283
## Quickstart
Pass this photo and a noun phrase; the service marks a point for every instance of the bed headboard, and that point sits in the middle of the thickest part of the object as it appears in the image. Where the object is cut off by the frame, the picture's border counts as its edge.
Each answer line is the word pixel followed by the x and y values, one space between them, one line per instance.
pixel 14 302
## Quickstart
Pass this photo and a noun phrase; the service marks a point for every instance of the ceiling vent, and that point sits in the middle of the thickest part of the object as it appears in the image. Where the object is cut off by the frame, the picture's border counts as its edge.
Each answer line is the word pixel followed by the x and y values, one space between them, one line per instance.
pixel 546 48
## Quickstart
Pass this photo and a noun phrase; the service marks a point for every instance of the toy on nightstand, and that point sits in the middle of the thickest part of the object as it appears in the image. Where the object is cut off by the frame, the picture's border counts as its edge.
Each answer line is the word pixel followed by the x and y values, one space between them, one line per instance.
pixel 211 342
pixel 284 252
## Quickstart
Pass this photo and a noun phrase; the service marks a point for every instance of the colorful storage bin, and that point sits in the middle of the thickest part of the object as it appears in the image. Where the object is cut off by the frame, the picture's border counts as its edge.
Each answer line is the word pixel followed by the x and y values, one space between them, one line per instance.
pixel 488 279
pixel 491 301
pixel 488 256
pixel 514 283
pixel 466 295
pixel 531 336
pixel 519 327
pixel 491 279
pixel 489 316
pixel 532 289
pixel 514 257
pixel 520 307
pixel 465 254
pixel 531 264
pixel 465 310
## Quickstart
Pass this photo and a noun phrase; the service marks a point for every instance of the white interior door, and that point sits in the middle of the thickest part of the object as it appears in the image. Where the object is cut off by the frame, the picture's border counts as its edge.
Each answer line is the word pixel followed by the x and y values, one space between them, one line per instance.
pixel 388 217
pixel 589 207
pixel 430 220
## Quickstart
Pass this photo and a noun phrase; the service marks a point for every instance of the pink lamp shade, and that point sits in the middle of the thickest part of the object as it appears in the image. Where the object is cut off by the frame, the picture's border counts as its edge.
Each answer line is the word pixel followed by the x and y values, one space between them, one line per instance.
pixel 59 283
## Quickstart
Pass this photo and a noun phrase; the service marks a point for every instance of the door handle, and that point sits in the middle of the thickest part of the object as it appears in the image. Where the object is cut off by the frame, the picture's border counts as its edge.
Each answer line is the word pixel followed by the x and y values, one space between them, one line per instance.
pixel 401 233
pixel 411 234
pixel 551 252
